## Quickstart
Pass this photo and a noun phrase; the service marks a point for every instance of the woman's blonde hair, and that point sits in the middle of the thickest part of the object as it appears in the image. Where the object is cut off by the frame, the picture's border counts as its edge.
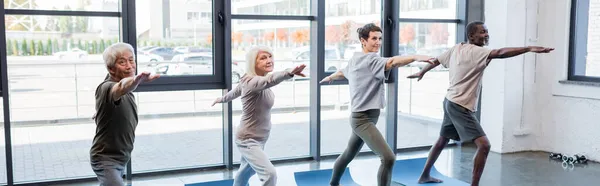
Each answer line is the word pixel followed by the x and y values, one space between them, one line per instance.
pixel 251 56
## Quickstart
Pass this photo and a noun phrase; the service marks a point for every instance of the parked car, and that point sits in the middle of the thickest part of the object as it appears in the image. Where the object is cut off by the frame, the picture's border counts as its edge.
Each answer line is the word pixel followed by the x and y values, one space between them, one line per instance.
pixel 166 53
pixel 194 64
pixel 72 54
pixel 192 49
pixel 333 59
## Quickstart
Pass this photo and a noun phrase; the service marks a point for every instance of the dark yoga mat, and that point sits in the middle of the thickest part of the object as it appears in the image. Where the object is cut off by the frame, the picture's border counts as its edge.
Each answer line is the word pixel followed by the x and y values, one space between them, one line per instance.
pixel 322 177
pixel 407 172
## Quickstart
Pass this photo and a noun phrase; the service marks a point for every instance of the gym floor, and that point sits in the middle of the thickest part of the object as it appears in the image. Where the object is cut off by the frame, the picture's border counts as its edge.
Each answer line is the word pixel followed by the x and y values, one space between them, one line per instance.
pixel 522 169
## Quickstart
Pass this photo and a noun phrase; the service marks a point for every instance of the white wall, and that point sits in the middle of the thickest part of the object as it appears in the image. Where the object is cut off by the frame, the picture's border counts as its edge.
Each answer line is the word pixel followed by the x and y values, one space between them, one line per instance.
pixel 524 107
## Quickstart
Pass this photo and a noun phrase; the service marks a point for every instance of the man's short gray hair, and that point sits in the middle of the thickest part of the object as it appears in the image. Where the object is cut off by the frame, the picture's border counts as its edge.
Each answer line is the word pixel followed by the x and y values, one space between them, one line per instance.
pixel 115 50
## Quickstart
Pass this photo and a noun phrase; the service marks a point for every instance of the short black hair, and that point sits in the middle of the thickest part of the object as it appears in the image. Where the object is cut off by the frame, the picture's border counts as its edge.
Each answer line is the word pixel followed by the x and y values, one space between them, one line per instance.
pixel 363 32
pixel 472 27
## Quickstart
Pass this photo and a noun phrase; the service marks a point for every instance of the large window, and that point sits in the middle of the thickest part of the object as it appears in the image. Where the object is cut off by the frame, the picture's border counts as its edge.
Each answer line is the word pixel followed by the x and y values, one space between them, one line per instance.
pixel 54 64
pixel 584 62
pixel 175 38
pixel 171 133
pixel 280 7
pixel 434 31
pixel 64 5
pixel 289 41
pixel 428 9
pixel 54 69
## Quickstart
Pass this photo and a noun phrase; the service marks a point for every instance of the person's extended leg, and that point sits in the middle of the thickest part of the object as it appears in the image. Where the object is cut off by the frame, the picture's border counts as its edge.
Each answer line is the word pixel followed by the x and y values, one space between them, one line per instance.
pixel 243 174
pixel 447 132
pixel 354 146
pixel 434 153
pixel 252 151
pixel 483 149
pixel 108 173
pixel 469 129
pixel 364 127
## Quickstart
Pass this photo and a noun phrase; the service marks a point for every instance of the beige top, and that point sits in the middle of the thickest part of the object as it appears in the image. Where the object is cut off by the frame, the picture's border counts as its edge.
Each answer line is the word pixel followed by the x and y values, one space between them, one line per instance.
pixel 466 63
pixel 257 101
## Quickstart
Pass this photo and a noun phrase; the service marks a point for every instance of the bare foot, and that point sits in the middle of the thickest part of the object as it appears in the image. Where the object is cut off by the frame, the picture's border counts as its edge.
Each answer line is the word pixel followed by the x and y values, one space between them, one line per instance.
pixel 429 180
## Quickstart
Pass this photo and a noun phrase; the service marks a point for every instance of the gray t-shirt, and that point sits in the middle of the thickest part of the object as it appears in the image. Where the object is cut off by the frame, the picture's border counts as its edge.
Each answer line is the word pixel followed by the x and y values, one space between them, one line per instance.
pixel 466 63
pixel 366 73
pixel 115 125
pixel 257 101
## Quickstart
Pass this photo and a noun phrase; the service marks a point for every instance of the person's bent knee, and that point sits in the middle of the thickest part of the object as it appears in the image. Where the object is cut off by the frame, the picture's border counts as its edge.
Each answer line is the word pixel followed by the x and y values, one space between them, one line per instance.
pixel 483 143
pixel 271 173
pixel 388 159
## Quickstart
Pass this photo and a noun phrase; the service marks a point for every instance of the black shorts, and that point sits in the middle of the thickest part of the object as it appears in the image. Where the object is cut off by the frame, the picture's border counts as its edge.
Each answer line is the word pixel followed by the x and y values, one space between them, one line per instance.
pixel 460 123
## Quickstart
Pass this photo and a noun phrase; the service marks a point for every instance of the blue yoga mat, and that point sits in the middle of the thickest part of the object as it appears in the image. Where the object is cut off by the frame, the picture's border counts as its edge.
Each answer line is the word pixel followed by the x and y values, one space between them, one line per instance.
pixel 407 172
pixel 213 183
pixel 322 177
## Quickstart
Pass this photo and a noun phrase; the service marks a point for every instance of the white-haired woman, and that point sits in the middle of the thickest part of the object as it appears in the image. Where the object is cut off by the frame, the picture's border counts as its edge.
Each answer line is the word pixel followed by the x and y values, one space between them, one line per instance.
pixel 255 124
pixel 116 114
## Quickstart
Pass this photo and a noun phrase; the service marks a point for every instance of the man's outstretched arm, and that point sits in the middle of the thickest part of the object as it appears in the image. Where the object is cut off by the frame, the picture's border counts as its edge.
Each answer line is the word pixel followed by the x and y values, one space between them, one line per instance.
pixel 515 51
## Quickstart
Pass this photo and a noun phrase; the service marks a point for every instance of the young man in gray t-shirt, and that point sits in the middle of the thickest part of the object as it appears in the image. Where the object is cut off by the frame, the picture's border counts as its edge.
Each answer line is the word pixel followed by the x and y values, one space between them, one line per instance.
pixel 116 114
pixel 466 63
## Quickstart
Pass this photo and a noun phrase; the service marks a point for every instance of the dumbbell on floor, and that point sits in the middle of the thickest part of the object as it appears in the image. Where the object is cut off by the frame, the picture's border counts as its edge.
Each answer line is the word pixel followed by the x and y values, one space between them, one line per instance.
pixel 580 158
pixel 556 156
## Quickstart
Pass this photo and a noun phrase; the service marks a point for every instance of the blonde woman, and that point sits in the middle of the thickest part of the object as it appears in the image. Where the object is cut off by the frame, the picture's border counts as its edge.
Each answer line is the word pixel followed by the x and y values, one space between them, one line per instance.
pixel 255 124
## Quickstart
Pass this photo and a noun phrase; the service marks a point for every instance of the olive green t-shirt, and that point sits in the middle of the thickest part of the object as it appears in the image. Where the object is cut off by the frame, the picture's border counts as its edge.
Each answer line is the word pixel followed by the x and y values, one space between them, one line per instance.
pixel 115 125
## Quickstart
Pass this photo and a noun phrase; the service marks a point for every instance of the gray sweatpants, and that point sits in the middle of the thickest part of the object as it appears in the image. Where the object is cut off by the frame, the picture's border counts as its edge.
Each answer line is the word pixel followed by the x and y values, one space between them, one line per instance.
pixel 254 161
pixel 365 131
pixel 109 173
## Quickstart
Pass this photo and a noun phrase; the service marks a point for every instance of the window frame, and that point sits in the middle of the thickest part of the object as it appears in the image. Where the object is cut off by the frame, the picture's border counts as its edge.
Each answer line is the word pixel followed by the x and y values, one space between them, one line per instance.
pixel 578 42
pixel 221 78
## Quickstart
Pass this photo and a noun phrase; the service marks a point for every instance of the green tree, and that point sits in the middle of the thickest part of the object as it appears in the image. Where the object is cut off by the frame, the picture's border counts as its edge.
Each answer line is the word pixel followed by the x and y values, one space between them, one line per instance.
pixel 94 47
pixel 64 45
pixel 55 46
pixel 31 47
pixel 15 48
pixel 24 47
pixel 87 47
pixel 102 45
pixel 40 48
pixel 79 45
pixel 49 47
pixel 9 44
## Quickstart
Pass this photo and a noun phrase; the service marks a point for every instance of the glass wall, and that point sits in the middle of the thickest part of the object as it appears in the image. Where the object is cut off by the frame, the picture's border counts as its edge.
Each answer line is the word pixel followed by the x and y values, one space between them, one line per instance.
pixel 174 38
pixel 177 129
pixel 420 111
pixel 289 42
pixel 54 64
